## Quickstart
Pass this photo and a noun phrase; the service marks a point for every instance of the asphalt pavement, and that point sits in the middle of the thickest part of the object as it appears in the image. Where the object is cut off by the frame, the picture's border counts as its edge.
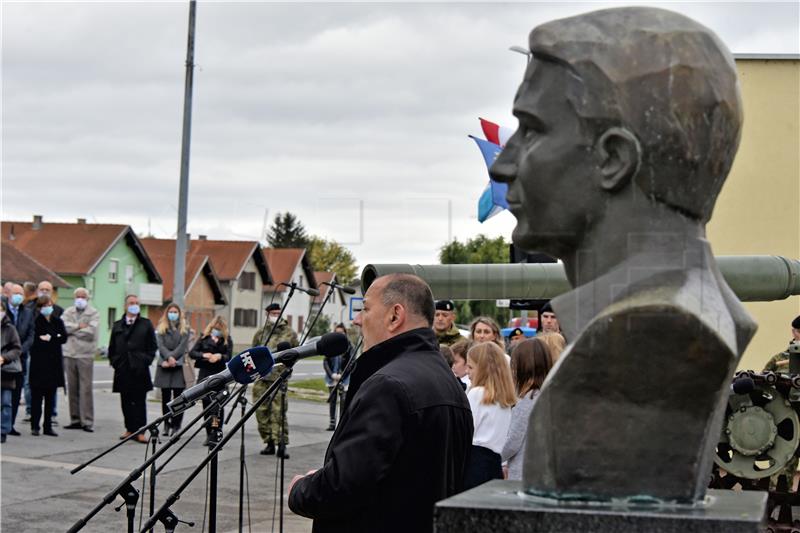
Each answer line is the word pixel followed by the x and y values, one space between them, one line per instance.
pixel 40 495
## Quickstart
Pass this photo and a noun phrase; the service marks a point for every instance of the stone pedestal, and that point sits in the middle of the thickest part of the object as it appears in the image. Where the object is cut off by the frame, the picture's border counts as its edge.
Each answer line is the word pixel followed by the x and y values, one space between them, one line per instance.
pixel 497 507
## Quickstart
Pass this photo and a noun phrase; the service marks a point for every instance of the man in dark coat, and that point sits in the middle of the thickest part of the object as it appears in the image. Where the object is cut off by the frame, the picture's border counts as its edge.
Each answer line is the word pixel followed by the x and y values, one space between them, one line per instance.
pixel 131 351
pixel 402 442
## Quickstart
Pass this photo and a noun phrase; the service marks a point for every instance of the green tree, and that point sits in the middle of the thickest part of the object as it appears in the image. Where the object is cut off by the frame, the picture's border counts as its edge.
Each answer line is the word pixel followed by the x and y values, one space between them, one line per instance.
pixel 321 327
pixel 330 256
pixel 478 250
pixel 287 232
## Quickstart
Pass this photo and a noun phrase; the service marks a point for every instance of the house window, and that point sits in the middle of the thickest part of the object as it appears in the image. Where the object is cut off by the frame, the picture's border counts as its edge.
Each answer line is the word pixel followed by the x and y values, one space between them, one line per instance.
pixel 247 318
pixel 333 295
pixel 300 323
pixel 113 268
pixel 247 281
pixel 289 320
pixel 111 316
pixel 128 273
pixel 300 283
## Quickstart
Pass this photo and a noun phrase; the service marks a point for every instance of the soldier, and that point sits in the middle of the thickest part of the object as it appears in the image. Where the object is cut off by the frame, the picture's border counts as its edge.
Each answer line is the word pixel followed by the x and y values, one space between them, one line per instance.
pixel 446 331
pixel 780 361
pixel 269 414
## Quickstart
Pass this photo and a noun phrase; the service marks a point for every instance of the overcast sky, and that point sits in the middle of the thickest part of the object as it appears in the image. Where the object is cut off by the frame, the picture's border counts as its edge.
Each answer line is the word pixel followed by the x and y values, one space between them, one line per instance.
pixel 353 116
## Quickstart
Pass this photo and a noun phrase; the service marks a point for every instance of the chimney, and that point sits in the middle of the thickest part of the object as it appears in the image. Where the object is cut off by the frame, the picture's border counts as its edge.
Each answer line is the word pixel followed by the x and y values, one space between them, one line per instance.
pixel 202 237
pixel 81 221
pixel 37 222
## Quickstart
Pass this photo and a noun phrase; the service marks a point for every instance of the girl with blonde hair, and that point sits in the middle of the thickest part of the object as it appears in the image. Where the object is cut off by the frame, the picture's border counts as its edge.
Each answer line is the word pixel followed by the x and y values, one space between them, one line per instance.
pixel 491 397
pixel 554 342
pixel 172 338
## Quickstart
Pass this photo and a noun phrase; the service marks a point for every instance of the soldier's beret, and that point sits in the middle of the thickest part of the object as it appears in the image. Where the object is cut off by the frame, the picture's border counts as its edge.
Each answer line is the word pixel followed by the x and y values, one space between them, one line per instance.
pixel 516 331
pixel 796 322
pixel 445 305
pixel 546 309
pixel 272 307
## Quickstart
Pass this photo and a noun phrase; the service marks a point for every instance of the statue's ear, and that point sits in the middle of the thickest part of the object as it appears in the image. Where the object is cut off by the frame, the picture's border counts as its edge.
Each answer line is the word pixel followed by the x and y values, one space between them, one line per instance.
pixel 620 157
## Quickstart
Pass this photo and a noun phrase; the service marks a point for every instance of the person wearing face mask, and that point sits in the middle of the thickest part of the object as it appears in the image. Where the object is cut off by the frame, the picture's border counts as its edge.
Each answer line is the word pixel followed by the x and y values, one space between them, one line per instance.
pixel 268 414
pixel 80 321
pixel 131 351
pixel 46 373
pixel 45 288
pixel 10 353
pixel 172 337
pixel 21 317
pixel 210 353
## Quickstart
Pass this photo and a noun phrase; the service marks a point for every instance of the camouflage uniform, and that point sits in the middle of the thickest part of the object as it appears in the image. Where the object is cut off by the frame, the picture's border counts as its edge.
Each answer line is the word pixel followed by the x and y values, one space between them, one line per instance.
pixel 779 363
pixel 268 413
pixel 449 337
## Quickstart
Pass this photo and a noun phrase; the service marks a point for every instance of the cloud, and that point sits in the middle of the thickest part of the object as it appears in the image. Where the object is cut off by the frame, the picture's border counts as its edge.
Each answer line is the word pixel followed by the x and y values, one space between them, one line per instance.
pixel 353 116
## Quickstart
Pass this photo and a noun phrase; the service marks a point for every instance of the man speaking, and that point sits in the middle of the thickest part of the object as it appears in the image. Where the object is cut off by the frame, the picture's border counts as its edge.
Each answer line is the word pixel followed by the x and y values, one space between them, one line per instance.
pixel 402 442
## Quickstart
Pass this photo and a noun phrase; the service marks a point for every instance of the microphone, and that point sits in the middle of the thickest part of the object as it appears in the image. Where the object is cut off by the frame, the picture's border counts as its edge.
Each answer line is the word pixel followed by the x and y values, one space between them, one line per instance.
pixel 309 291
pixel 329 345
pixel 343 288
pixel 245 367
pixel 744 384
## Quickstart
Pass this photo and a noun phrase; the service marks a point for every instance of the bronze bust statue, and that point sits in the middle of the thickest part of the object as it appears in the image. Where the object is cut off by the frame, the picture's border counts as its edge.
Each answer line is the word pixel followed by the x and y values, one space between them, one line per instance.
pixel 629 120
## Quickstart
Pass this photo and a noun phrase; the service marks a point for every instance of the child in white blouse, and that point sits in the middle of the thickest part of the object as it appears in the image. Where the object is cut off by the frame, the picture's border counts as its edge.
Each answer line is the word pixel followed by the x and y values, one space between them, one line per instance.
pixel 491 396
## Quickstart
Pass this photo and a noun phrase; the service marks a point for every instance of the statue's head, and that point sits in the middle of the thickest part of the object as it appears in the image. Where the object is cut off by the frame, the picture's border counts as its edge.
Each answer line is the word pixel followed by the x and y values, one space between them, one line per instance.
pixel 618 98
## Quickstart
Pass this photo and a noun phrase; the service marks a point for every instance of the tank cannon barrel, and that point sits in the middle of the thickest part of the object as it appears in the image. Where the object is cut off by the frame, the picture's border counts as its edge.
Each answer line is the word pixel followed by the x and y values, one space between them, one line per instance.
pixel 754 278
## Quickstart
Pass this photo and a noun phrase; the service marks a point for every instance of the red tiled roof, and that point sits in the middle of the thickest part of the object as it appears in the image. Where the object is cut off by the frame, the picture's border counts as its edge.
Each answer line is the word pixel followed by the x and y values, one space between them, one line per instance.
pixel 72 248
pixel 323 277
pixel 230 257
pixel 18 267
pixel 162 252
pixel 282 263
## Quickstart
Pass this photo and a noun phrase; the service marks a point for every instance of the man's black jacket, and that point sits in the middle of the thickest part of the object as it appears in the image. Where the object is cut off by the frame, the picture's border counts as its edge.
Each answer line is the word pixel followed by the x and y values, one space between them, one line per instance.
pixel 131 351
pixel 400 446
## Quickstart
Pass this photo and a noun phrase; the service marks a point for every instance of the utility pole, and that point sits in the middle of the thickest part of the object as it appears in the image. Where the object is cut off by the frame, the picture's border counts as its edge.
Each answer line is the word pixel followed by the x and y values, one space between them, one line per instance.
pixel 181 241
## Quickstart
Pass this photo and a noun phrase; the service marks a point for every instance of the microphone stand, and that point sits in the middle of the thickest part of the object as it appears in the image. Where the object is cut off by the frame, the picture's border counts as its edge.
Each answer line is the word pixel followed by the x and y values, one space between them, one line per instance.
pixel 307 330
pixel 351 364
pixel 163 514
pixel 125 487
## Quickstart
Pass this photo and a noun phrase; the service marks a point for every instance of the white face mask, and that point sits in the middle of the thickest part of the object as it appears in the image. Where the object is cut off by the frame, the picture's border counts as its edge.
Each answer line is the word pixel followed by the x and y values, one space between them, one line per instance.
pixel 81 303
pixel 272 319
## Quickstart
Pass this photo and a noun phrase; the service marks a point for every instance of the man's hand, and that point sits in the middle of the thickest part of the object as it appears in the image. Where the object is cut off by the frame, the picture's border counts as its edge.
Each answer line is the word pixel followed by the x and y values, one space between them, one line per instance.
pixel 297 478
pixel 207 355
pixel 83 325
pixel 2 360
pixel 46 337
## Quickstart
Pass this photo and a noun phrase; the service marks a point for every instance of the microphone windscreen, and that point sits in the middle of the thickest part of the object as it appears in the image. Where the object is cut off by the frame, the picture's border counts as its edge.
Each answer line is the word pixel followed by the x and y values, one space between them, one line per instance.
pixel 251 364
pixel 332 344
pixel 743 385
pixel 347 290
pixel 283 345
pixel 312 292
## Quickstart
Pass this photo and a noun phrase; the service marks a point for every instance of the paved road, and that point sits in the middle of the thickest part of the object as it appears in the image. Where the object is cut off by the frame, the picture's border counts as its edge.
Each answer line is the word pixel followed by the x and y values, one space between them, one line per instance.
pixel 40 495
pixel 305 369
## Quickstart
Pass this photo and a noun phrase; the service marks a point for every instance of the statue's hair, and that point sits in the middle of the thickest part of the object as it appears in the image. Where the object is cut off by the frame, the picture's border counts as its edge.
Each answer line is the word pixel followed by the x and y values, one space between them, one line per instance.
pixel 663 77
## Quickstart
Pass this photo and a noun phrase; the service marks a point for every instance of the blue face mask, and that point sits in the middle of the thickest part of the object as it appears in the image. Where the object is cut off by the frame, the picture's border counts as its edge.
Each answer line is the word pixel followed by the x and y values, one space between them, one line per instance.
pixel 173 316
pixel 216 333
pixel 16 299
pixel 47 310
pixel 133 309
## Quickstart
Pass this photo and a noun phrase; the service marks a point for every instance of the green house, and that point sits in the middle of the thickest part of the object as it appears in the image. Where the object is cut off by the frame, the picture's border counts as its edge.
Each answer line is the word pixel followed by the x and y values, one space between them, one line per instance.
pixel 107 259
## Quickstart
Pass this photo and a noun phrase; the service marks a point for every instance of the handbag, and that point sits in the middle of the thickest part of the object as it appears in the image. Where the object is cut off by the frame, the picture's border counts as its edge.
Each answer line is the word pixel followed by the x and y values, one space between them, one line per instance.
pixel 12 367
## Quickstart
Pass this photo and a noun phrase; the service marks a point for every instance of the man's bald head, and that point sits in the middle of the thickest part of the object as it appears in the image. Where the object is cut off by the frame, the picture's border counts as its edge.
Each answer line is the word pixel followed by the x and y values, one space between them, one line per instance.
pixel 411 292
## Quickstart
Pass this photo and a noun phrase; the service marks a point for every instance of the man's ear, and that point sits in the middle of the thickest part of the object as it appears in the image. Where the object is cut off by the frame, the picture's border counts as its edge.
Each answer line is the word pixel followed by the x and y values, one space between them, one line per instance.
pixel 621 156
pixel 396 317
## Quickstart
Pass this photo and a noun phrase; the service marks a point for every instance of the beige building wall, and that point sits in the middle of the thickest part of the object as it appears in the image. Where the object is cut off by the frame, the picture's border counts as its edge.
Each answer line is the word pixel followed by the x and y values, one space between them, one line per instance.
pixel 758 211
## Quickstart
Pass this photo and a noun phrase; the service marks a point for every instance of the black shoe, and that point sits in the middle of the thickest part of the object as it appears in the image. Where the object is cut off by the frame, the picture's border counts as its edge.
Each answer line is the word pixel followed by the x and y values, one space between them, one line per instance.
pixel 269 449
pixel 206 442
pixel 2 438
pixel 167 430
pixel 54 423
pixel 74 425
pixel 331 426
pixel 35 432
pixel 50 433
pixel 282 453
pixel 88 429
pixel 14 433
